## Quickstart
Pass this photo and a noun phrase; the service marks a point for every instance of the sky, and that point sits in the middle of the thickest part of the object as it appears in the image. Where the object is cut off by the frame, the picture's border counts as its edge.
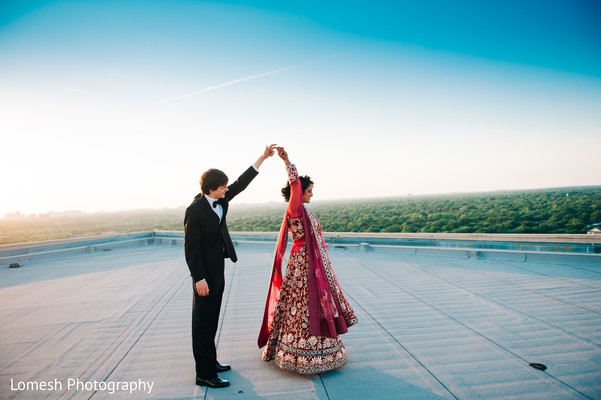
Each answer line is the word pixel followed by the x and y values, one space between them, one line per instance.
pixel 112 105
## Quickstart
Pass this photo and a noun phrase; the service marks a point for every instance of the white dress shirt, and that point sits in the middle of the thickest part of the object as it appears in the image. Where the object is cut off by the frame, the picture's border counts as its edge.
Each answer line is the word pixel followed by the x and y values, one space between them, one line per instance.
pixel 218 209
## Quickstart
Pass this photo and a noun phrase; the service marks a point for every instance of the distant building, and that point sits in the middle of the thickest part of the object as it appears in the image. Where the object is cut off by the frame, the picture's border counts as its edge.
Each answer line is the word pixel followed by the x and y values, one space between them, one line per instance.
pixel 70 213
pixel 17 215
pixel 594 231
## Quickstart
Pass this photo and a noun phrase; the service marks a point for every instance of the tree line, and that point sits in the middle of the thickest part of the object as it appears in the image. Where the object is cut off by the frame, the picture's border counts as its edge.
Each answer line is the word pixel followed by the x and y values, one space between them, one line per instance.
pixel 563 210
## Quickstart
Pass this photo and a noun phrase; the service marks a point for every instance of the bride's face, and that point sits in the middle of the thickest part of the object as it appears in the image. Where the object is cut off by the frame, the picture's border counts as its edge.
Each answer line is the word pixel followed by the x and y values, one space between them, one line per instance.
pixel 308 194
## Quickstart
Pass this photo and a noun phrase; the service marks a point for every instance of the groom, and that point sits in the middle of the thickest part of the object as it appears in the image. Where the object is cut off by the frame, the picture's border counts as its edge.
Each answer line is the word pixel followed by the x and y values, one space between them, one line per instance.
pixel 207 243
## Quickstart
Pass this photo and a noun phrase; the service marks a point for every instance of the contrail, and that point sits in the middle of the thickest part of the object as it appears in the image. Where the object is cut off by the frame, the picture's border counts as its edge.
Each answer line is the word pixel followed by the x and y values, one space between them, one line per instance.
pixel 247 78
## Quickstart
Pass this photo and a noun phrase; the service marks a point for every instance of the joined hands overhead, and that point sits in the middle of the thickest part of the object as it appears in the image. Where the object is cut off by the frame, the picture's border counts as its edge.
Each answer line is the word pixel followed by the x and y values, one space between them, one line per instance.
pixel 268 152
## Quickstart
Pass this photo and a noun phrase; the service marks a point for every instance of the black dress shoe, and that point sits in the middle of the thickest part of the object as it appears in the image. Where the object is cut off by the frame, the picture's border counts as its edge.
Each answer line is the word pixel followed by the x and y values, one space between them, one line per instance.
pixel 216 382
pixel 223 368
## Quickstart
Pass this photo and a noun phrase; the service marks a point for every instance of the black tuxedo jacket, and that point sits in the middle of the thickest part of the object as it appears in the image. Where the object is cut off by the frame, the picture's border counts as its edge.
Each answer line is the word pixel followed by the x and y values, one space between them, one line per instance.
pixel 207 241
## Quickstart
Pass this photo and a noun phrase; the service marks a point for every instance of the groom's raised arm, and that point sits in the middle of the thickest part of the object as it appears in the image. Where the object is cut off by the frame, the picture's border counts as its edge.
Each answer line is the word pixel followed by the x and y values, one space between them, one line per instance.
pixel 247 176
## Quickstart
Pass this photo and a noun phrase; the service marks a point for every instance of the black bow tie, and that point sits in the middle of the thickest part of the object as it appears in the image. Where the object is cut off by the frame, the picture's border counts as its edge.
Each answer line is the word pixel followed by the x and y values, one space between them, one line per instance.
pixel 215 204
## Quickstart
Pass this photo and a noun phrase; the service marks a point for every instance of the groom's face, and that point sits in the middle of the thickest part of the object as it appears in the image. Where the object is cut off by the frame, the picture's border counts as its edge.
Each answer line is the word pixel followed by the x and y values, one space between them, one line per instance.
pixel 219 193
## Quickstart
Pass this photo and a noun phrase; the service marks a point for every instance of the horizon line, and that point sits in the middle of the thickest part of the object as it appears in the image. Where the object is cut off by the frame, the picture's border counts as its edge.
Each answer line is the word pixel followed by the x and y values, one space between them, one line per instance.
pixel 347 199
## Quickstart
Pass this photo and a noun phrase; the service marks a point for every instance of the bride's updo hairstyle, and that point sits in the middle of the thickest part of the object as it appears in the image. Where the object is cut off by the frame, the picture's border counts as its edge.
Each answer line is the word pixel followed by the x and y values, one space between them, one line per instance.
pixel 305 183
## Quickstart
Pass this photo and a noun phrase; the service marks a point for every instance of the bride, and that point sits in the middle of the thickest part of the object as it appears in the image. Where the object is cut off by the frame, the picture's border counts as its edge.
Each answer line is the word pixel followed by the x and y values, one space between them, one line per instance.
pixel 305 310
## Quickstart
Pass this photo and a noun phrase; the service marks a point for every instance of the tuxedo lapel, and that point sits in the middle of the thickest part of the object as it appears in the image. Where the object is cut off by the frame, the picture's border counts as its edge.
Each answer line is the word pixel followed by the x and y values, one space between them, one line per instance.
pixel 220 225
pixel 224 204
pixel 209 211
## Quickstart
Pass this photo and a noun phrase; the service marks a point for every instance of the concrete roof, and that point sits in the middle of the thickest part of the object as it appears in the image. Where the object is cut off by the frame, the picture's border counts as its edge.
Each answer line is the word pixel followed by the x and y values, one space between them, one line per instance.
pixel 435 323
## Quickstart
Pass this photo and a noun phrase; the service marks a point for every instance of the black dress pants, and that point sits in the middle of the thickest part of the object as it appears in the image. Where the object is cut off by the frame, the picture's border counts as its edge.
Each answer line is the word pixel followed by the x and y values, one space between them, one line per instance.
pixel 205 317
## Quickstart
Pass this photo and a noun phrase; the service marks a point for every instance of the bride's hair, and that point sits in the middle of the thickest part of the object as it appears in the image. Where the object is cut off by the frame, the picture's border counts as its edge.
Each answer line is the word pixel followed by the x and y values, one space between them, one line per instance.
pixel 305 183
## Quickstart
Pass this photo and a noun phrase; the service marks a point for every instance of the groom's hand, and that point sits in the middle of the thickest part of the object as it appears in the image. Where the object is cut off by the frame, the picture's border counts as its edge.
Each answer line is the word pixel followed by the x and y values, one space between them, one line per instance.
pixel 202 288
pixel 269 151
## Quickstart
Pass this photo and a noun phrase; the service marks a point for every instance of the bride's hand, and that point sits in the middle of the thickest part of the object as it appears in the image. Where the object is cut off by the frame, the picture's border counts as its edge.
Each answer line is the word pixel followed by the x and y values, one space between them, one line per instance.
pixel 283 155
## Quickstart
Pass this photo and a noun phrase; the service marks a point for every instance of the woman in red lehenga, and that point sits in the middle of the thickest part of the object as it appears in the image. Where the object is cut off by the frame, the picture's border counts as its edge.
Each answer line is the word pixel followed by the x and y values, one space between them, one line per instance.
pixel 306 311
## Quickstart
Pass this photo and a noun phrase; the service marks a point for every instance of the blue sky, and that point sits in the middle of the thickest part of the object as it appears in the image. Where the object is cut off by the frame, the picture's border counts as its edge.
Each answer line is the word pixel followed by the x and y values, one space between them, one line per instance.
pixel 108 105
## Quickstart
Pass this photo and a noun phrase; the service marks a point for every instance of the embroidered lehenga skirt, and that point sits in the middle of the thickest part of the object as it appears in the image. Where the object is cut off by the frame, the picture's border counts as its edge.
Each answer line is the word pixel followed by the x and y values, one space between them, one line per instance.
pixel 290 344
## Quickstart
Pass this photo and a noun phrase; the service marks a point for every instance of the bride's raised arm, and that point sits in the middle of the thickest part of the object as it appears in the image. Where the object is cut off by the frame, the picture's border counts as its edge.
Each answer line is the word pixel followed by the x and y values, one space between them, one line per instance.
pixel 296 189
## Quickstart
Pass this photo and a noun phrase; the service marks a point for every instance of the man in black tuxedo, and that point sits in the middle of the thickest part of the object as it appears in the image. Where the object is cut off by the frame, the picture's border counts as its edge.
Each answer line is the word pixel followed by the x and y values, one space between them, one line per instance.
pixel 207 244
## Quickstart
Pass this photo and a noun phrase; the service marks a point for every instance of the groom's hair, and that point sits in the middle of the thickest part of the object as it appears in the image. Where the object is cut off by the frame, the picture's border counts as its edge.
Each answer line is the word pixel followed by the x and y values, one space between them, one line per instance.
pixel 212 179
pixel 305 183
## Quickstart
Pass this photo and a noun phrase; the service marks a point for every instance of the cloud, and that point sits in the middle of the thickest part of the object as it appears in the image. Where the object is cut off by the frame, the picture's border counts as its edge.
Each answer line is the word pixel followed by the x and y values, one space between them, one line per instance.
pixel 247 78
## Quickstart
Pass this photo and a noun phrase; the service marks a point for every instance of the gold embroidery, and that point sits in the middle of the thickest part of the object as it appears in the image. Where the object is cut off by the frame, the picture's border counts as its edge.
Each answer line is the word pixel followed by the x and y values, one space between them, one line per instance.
pixel 290 344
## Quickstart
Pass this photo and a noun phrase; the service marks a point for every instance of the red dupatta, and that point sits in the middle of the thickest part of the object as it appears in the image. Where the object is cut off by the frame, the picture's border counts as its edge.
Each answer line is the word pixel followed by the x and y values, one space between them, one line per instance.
pixel 275 283
pixel 325 314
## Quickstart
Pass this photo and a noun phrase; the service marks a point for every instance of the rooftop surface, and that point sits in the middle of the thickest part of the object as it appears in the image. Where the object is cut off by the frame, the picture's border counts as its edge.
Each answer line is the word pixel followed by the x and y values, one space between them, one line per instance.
pixel 80 319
